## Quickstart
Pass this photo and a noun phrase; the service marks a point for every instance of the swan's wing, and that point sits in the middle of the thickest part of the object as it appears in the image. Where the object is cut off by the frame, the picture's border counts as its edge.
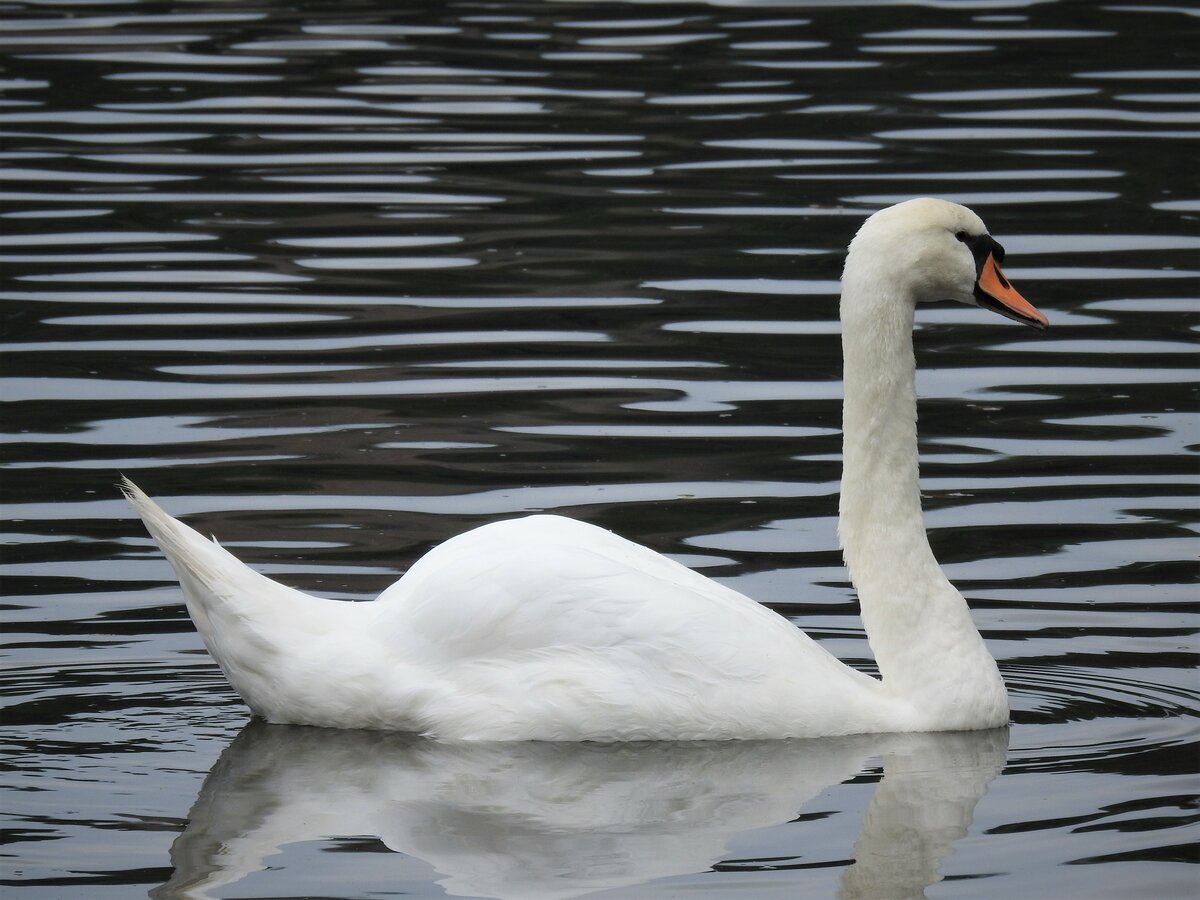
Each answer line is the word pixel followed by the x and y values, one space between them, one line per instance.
pixel 546 582
pixel 550 628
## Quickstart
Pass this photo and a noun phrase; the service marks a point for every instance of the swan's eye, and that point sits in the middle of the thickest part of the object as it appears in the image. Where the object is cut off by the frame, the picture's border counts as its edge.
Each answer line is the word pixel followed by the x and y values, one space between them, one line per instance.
pixel 962 236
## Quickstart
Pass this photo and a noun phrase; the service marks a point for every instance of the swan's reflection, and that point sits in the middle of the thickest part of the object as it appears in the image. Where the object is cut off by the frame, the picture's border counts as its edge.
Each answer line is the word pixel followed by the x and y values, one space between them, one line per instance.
pixel 534 821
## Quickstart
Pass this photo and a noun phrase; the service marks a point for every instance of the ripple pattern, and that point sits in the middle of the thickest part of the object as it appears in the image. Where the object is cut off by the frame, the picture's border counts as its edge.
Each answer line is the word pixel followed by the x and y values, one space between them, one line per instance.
pixel 338 281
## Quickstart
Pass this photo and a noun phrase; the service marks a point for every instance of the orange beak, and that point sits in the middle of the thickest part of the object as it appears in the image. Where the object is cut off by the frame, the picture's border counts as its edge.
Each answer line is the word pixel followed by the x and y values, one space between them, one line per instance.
pixel 995 292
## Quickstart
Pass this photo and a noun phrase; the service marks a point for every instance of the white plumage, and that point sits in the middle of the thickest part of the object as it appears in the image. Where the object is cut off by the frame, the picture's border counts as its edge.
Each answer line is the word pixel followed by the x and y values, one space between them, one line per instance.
pixel 546 628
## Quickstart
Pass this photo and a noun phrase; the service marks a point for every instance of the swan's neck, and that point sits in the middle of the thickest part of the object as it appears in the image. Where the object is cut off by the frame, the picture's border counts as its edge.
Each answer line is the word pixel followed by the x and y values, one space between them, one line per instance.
pixel 928 650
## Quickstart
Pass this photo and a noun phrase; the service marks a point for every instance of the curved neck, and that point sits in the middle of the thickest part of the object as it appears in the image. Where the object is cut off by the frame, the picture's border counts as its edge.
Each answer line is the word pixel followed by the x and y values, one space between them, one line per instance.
pixel 880 523
pixel 918 625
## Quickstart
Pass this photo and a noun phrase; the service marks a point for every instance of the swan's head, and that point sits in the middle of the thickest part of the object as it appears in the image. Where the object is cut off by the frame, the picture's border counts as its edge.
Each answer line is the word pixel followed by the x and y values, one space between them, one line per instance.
pixel 935 250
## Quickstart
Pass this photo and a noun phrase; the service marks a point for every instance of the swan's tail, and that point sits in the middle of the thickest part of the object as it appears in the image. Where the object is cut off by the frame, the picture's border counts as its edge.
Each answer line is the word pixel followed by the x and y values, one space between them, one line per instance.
pixel 245 619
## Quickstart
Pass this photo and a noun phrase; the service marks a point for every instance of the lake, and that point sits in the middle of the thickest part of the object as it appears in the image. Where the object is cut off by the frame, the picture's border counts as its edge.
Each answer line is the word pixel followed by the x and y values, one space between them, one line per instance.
pixel 337 281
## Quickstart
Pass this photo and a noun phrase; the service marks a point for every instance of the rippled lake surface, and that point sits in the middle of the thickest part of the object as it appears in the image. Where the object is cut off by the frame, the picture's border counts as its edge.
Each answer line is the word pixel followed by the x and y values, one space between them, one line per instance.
pixel 336 281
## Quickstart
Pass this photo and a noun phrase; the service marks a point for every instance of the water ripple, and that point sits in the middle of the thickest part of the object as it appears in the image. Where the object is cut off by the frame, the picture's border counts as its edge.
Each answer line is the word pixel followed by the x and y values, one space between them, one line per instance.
pixel 340 283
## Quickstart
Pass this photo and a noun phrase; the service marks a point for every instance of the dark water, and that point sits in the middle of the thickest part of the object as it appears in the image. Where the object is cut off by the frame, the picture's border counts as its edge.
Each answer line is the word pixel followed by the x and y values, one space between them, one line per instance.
pixel 339 280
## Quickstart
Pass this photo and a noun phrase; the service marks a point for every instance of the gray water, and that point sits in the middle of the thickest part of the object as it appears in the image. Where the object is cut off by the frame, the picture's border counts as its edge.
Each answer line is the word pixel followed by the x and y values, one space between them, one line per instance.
pixel 336 281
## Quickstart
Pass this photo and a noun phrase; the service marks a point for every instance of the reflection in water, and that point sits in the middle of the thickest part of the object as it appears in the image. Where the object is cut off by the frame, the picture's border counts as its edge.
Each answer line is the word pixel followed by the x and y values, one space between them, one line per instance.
pixel 534 821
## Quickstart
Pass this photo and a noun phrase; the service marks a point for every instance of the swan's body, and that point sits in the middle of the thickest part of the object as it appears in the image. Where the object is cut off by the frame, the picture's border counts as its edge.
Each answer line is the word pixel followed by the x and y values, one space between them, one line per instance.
pixel 545 628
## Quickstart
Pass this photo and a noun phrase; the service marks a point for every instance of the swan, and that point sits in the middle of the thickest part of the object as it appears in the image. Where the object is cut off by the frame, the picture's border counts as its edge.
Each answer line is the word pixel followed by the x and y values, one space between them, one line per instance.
pixel 547 628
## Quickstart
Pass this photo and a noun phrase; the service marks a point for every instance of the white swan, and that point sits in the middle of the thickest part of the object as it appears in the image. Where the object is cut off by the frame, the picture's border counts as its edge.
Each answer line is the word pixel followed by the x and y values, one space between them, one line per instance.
pixel 545 628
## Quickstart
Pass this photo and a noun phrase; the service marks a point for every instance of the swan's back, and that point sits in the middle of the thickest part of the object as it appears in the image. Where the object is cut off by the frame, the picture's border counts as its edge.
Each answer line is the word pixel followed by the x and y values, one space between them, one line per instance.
pixel 545 581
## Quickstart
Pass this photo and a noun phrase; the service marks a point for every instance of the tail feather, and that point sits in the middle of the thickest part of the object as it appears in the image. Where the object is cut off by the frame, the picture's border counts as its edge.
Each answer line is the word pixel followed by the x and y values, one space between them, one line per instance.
pixel 239 612
pixel 191 555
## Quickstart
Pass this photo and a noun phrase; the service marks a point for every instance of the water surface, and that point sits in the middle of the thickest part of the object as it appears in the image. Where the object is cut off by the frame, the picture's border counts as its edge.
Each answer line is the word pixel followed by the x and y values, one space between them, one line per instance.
pixel 338 281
